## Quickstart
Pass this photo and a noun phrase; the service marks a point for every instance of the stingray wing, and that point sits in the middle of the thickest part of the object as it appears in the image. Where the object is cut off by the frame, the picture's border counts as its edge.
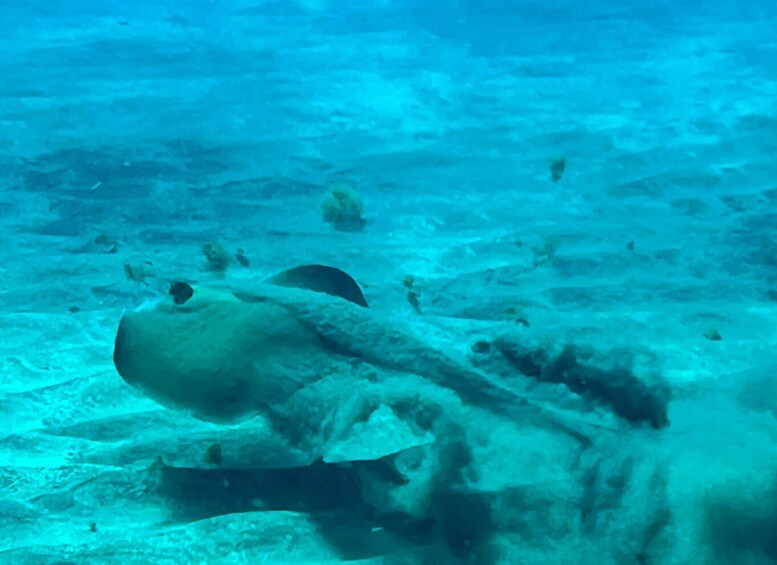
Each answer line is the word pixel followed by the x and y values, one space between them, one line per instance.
pixel 321 278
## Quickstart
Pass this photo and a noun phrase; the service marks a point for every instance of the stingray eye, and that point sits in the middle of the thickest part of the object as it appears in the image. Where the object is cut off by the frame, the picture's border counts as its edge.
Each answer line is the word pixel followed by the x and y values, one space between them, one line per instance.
pixel 181 292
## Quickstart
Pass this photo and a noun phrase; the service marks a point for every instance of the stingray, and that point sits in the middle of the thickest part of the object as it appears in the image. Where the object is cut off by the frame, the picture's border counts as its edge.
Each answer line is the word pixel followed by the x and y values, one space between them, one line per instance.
pixel 302 349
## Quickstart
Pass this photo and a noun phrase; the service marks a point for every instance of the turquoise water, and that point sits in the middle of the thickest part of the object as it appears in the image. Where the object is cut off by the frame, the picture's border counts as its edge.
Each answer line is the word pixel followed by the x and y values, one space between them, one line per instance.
pixel 561 217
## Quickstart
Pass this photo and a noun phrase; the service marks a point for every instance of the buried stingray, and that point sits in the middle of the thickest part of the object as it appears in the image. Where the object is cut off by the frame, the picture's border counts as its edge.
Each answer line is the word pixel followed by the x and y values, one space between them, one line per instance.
pixel 299 348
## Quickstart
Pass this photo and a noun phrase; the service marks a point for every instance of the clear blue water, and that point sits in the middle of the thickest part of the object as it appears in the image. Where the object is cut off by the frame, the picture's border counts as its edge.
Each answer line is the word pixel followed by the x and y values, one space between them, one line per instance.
pixel 562 218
